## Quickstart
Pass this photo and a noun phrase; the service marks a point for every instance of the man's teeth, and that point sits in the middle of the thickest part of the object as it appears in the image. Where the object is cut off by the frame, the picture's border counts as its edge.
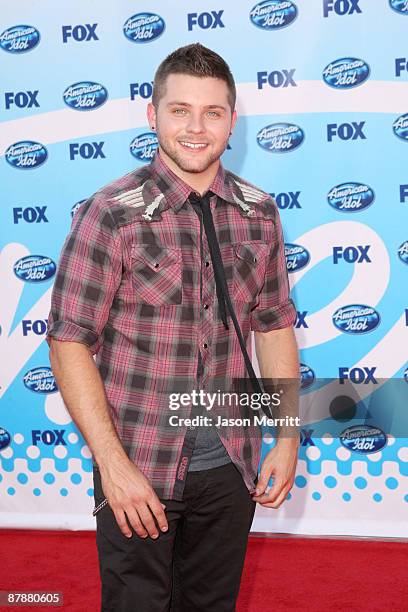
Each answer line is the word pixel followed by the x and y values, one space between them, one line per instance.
pixel 194 145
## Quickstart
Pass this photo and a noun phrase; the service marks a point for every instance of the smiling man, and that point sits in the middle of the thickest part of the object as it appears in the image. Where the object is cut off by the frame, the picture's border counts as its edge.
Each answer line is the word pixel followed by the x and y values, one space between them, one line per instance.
pixel 138 286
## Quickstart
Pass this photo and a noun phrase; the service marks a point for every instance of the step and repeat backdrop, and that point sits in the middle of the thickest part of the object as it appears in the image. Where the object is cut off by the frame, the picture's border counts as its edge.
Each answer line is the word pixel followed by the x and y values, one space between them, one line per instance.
pixel 323 127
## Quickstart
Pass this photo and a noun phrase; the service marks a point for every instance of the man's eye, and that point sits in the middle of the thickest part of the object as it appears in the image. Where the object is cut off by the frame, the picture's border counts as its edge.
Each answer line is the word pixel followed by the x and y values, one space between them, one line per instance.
pixel 179 111
pixel 213 114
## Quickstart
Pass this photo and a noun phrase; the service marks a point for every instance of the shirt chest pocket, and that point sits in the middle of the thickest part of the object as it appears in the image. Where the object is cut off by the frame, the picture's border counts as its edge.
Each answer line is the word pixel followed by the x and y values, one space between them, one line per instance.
pixel 157 274
pixel 250 260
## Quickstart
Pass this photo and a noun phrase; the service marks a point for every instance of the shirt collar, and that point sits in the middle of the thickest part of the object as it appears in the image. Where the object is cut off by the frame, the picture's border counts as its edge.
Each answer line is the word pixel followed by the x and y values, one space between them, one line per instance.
pixel 176 191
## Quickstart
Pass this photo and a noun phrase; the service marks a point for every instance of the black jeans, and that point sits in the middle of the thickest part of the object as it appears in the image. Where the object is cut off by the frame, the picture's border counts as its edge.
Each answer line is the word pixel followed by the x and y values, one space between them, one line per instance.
pixel 196 565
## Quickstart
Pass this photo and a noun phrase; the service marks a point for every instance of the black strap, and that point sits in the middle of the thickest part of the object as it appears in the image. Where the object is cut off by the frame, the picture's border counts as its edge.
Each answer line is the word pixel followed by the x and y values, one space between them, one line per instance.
pixel 223 295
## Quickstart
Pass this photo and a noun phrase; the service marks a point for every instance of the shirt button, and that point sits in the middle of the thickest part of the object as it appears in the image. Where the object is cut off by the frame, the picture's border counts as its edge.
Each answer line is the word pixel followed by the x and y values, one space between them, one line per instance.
pixel 207 263
pixel 206 306
pixel 205 345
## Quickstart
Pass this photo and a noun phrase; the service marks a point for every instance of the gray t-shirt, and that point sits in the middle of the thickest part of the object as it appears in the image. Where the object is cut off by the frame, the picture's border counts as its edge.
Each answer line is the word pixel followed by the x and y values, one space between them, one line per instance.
pixel 209 452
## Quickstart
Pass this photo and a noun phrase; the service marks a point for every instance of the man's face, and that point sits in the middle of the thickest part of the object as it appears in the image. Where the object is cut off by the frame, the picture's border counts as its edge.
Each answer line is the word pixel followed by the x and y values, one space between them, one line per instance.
pixel 193 121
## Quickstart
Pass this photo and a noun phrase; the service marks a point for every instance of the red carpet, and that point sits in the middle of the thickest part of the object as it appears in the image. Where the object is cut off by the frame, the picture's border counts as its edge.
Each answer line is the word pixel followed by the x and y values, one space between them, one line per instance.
pixel 302 574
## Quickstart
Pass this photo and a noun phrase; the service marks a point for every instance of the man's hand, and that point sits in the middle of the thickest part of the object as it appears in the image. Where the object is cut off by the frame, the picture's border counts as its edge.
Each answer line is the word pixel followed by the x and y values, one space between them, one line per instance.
pixel 127 490
pixel 131 495
pixel 280 463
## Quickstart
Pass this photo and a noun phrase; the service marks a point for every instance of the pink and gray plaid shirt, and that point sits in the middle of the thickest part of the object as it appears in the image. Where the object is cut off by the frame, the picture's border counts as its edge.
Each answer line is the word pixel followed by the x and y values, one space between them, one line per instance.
pixel 135 284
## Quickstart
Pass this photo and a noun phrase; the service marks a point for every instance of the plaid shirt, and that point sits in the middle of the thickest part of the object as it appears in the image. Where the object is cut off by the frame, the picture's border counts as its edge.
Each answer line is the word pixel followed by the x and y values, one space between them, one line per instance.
pixel 136 285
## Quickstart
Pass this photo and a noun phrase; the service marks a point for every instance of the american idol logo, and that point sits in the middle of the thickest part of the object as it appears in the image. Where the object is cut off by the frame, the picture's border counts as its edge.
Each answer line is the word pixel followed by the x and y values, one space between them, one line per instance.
pixel 403 252
pixel 363 439
pixel 76 207
pixel 26 154
pixel 85 95
pixel 143 147
pixel 356 319
pixel 350 197
pixel 297 257
pixel 143 27
pixel 280 137
pixel 5 438
pixel 273 14
pixel 401 6
pixel 19 39
pixel 35 268
pixel 40 380
pixel 400 126
pixel 346 73
pixel 307 376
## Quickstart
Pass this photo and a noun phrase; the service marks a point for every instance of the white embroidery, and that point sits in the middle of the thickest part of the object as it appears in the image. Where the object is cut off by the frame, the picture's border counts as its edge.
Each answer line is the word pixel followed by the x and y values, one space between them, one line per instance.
pixel 245 207
pixel 251 193
pixel 131 198
pixel 148 213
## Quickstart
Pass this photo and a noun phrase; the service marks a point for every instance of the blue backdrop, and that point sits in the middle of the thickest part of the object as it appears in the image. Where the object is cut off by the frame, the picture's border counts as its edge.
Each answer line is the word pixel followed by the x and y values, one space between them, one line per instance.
pixel 323 126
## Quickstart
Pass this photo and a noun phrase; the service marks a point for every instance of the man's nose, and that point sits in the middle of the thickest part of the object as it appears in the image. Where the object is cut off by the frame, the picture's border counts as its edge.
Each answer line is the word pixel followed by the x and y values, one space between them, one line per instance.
pixel 195 124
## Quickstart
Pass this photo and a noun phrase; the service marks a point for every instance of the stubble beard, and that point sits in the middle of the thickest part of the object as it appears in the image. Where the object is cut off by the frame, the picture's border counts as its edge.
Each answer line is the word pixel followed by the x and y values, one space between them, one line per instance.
pixel 190 165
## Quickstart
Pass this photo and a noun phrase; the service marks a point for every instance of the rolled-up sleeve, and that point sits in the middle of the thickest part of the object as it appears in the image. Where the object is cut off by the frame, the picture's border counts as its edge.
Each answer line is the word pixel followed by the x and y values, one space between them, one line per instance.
pixel 88 275
pixel 275 308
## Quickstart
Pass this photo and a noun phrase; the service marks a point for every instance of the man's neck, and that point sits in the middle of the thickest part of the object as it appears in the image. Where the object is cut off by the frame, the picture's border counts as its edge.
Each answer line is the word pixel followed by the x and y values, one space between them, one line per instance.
pixel 199 181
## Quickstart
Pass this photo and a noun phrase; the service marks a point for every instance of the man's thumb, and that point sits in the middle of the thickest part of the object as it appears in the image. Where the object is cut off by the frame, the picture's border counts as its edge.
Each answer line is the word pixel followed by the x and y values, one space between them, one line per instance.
pixel 261 484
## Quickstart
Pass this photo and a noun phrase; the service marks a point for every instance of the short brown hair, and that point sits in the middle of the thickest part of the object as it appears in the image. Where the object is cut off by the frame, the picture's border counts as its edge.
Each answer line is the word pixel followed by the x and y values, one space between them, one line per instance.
pixel 195 60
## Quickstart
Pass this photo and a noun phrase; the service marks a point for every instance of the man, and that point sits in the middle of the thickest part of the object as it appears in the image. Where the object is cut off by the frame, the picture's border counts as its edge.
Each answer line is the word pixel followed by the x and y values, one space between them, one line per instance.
pixel 135 286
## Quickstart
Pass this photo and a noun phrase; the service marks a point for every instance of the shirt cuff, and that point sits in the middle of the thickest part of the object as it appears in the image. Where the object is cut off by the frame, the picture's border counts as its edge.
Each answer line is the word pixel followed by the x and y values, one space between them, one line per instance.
pixel 66 331
pixel 277 317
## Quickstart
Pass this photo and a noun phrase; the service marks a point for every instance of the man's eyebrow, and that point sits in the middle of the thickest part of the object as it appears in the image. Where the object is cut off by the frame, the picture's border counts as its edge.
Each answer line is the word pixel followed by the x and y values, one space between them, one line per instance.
pixel 217 106
pixel 177 103
pixel 208 106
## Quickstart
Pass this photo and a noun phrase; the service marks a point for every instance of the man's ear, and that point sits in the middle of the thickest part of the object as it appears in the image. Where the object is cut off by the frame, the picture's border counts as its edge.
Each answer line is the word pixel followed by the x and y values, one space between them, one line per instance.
pixel 151 116
pixel 233 120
